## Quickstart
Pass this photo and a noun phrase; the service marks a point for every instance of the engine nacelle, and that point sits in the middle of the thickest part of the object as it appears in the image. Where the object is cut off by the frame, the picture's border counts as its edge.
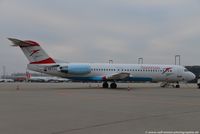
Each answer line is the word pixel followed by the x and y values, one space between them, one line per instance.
pixel 76 69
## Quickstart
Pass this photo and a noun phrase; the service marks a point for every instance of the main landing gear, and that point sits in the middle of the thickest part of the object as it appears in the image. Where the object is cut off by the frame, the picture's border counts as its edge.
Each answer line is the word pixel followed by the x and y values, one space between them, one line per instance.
pixel 177 85
pixel 167 84
pixel 113 85
pixel 105 84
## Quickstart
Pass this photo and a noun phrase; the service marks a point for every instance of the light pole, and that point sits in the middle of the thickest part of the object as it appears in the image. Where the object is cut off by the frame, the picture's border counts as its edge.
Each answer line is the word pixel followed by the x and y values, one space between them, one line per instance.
pixel 178 57
pixel 140 60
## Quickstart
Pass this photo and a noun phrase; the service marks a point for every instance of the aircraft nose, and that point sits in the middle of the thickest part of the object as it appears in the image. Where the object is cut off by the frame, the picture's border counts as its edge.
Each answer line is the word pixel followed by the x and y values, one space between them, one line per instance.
pixel 192 76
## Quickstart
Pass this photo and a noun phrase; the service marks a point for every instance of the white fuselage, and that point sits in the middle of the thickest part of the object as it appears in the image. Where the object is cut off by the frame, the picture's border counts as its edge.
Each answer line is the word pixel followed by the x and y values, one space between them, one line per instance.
pixel 102 71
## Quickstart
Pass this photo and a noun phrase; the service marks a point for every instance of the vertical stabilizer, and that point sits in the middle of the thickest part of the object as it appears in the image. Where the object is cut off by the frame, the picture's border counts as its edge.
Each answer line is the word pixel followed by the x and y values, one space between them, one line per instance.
pixel 33 51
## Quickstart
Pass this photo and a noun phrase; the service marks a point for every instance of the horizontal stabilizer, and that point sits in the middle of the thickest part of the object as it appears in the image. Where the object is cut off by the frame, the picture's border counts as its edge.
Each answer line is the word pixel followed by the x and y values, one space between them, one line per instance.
pixel 21 43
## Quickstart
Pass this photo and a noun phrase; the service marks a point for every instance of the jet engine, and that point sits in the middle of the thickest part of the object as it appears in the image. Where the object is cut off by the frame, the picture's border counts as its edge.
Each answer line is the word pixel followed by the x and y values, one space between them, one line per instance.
pixel 76 69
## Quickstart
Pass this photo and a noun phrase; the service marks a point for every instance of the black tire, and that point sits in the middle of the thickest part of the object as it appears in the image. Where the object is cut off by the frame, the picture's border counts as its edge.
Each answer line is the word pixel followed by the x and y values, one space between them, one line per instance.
pixel 105 85
pixel 113 85
pixel 177 86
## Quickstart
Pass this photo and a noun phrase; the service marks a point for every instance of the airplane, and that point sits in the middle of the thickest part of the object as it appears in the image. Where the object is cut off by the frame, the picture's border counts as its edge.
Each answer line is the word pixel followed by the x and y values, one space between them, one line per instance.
pixel 6 80
pixel 40 61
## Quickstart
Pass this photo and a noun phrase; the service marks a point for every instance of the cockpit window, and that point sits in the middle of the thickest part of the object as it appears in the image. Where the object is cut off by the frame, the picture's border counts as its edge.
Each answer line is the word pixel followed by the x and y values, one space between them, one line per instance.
pixel 185 70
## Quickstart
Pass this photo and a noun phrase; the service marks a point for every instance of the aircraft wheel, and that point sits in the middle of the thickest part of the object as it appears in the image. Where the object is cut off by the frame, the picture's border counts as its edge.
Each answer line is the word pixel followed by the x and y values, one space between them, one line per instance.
pixel 113 85
pixel 177 86
pixel 105 85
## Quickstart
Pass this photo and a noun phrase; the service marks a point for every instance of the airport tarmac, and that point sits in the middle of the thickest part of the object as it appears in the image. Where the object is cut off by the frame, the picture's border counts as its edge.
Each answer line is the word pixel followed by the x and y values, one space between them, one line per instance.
pixel 83 108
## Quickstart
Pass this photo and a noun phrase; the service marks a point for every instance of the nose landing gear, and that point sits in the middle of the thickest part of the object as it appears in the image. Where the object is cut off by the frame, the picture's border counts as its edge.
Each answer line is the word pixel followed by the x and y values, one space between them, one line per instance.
pixel 167 84
pixel 198 85
pixel 198 82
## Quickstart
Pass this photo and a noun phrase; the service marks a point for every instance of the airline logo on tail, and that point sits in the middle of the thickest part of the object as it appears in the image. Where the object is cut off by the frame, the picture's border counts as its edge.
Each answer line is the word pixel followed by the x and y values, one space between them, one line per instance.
pixel 34 51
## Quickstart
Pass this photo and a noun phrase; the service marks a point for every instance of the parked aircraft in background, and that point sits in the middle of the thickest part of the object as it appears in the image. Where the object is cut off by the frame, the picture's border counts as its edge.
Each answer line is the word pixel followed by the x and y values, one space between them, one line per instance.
pixel 31 78
pixel 6 80
pixel 41 62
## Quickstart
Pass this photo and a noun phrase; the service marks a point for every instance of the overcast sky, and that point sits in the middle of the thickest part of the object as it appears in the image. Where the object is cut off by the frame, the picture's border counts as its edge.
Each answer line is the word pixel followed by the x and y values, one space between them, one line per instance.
pixel 99 30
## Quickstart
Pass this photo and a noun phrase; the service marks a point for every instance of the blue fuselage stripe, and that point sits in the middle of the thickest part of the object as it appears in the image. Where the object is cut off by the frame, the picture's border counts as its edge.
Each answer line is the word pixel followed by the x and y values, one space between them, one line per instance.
pixel 142 79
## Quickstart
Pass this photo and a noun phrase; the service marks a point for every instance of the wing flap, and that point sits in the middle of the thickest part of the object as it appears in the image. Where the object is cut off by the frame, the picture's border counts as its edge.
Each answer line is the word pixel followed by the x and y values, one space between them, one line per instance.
pixel 118 76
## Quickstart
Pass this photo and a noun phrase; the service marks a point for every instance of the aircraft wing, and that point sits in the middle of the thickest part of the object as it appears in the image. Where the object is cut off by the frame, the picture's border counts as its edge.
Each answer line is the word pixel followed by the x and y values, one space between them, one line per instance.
pixel 117 76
